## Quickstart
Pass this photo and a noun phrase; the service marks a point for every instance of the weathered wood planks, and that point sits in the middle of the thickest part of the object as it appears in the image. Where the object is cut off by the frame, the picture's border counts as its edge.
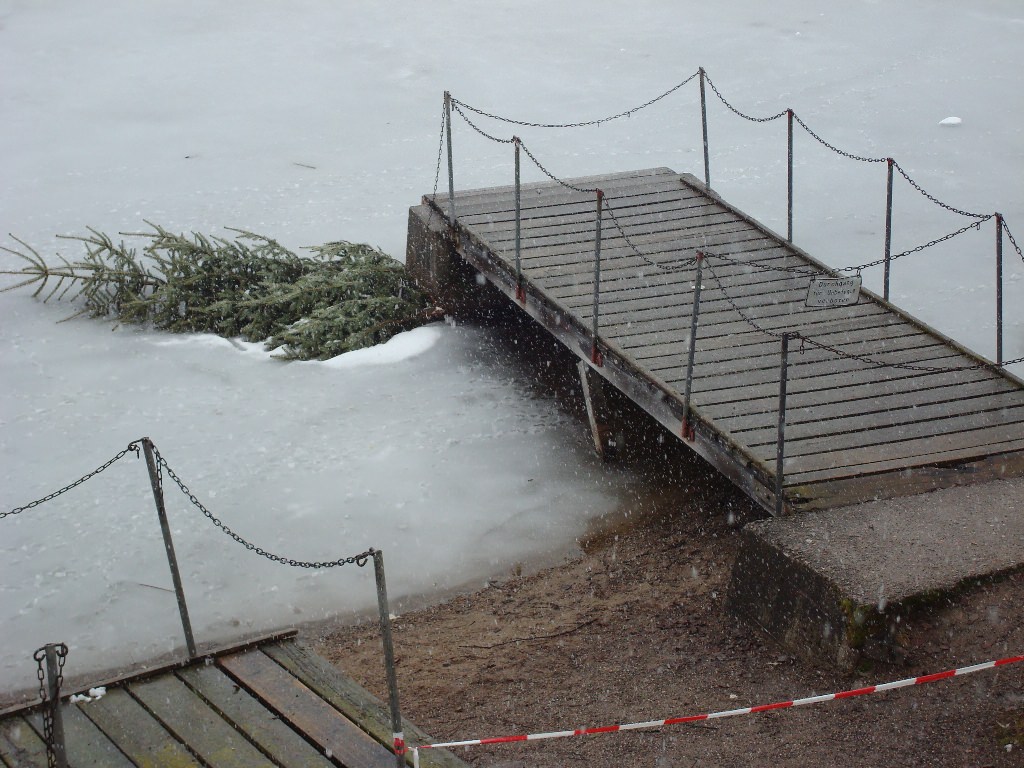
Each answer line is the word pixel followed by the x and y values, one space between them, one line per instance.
pixel 891 397
pixel 274 704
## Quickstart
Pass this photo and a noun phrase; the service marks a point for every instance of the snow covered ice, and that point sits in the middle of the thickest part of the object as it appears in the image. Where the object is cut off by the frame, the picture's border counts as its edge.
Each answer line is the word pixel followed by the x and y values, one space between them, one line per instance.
pixel 320 121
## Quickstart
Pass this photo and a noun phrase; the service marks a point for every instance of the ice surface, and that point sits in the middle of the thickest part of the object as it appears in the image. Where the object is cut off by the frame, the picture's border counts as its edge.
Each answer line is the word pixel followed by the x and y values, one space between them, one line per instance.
pixel 319 120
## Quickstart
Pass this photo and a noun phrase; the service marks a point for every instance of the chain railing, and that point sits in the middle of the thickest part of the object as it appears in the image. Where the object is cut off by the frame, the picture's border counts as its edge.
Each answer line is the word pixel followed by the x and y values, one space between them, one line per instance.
pixel 54 655
pixel 682 263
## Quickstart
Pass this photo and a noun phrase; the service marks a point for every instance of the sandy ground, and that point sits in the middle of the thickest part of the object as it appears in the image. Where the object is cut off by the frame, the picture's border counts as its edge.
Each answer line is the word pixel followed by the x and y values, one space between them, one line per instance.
pixel 635 628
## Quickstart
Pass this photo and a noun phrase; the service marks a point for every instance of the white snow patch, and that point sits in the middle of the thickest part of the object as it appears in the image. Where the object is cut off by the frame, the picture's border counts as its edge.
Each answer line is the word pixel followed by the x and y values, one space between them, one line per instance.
pixel 950 121
pixel 403 346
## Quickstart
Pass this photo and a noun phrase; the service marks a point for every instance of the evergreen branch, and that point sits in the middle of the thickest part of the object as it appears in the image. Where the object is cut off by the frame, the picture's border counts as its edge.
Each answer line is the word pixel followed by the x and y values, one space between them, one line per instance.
pixel 344 296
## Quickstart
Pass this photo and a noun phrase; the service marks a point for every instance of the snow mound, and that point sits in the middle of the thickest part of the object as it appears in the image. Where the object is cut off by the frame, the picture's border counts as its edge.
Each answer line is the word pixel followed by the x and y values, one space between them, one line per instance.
pixel 402 346
pixel 950 121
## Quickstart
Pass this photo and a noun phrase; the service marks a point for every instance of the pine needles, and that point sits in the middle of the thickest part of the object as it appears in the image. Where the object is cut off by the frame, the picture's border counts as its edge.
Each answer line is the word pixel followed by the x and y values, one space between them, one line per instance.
pixel 344 296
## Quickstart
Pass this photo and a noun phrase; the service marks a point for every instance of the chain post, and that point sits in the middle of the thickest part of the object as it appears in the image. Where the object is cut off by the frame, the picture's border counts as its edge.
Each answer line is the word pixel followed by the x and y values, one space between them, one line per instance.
pixel 704 126
pixel 165 528
pixel 520 292
pixel 595 353
pixel 389 657
pixel 451 172
pixel 999 288
pixel 51 678
pixel 789 177
pixel 888 227
pixel 781 442
pixel 688 432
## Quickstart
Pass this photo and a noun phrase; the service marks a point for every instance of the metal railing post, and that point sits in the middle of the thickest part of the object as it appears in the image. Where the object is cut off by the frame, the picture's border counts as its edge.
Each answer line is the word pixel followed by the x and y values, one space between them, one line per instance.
pixel 789 178
pixel 451 172
pixel 165 528
pixel 688 431
pixel 704 126
pixel 55 744
pixel 999 289
pixel 780 455
pixel 520 292
pixel 595 353
pixel 389 657
pixel 888 228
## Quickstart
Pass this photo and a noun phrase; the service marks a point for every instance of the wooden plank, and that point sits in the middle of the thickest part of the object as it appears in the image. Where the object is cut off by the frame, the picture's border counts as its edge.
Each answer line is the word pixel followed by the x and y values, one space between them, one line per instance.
pixel 714 335
pixel 87 745
pixel 195 724
pixel 648 334
pixel 576 254
pixel 910 451
pixel 955 429
pixel 137 733
pixel 718 357
pixel 537 190
pixel 746 371
pixel 322 724
pixel 750 346
pixel 1000 458
pixel 974 396
pixel 802 375
pixel 632 219
pixel 669 288
pixel 838 387
pixel 20 745
pixel 582 230
pixel 264 727
pixel 502 217
pixel 357 703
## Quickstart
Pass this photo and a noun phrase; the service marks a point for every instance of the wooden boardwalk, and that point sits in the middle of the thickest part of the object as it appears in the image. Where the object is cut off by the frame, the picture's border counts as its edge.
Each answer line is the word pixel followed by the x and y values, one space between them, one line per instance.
pixel 274 704
pixel 857 427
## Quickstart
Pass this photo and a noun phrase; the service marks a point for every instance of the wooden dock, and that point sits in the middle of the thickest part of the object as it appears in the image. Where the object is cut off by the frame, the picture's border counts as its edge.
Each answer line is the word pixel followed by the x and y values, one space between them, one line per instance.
pixel 270 704
pixel 894 408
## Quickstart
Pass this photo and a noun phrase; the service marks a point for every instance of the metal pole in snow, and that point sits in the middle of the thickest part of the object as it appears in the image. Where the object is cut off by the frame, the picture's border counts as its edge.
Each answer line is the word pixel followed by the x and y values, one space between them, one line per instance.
pixel 688 432
pixel 888 227
pixel 165 528
pixel 999 289
pixel 780 451
pixel 389 657
pixel 451 172
pixel 595 354
pixel 704 125
pixel 789 218
pixel 53 677
pixel 520 293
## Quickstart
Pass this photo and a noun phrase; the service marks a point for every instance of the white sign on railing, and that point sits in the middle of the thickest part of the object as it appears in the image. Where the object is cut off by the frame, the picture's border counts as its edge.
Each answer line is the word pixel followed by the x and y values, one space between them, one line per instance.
pixel 833 291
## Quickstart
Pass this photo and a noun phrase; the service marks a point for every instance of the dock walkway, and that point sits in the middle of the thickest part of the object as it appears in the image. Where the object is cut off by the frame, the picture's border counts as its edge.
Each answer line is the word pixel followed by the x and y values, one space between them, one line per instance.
pixel 877 405
pixel 270 704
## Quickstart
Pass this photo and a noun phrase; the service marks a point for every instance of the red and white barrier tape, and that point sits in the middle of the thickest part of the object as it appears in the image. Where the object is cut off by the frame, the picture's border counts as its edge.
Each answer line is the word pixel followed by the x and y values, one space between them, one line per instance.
pixel 726 713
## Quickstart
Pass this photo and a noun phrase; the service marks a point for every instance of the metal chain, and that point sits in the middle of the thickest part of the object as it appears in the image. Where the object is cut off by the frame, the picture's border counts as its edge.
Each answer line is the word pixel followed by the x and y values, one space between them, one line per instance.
pixel 359 559
pixel 849 355
pixel 973 225
pixel 132 447
pixel 761 266
pixel 478 129
pixel 935 200
pixel 550 175
pixel 61 651
pixel 437 173
pixel 836 149
pixel 669 267
pixel 626 113
pixel 1009 234
pixel 721 98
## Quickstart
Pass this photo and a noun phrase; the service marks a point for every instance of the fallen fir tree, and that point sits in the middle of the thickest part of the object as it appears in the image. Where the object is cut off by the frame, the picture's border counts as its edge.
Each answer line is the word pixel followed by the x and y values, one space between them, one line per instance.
pixel 344 296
